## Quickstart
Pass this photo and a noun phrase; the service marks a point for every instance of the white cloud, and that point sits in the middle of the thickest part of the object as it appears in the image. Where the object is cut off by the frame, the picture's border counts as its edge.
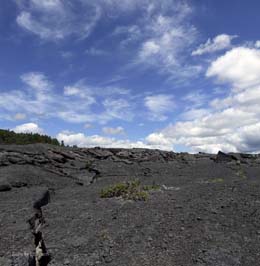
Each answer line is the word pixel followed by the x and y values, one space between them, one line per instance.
pixel 160 38
pixel 96 52
pixel 83 93
pixel 159 139
pixel 167 40
pixel 66 54
pixel 37 81
pixel 113 130
pixel 83 140
pixel 220 42
pixel 28 128
pixel 47 4
pixel 55 20
pixel 257 44
pixel 118 108
pixel 230 124
pixel 78 104
pixel 195 98
pixel 19 116
pixel 193 113
pixel 239 67
pixel 88 125
pixel 149 48
pixel 159 105
pixel 130 33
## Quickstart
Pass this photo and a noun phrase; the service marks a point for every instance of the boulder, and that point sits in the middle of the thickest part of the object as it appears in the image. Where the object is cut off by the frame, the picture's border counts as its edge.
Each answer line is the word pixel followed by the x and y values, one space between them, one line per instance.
pixel 4 185
pixel 224 158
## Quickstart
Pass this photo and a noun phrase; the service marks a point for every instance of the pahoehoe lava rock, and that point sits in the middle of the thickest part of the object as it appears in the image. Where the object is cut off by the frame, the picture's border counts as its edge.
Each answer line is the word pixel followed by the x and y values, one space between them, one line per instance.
pixel 223 157
pixel 4 185
pixel 206 211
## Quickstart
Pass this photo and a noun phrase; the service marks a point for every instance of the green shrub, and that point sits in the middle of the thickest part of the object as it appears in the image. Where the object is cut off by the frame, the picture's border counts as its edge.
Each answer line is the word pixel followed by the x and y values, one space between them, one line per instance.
pixel 128 191
pixel 151 187
pixel 138 195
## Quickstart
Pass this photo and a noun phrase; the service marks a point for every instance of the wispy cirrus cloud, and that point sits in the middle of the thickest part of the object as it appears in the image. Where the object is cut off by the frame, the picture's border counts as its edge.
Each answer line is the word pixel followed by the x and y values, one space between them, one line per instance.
pixel 160 37
pixel 37 81
pixel 168 37
pixel 96 52
pixel 78 103
pixel 218 43
pixel 55 20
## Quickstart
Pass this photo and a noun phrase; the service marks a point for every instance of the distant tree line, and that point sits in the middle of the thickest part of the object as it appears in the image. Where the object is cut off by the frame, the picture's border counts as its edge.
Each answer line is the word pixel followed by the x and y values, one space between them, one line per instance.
pixel 10 137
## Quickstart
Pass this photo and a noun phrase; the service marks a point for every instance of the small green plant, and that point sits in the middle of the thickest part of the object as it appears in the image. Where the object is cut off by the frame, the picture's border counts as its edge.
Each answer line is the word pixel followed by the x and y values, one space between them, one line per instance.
pixel 138 195
pixel 151 187
pixel 88 165
pixel 241 174
pixel 217 180
pixel 128 191
pixel 120 189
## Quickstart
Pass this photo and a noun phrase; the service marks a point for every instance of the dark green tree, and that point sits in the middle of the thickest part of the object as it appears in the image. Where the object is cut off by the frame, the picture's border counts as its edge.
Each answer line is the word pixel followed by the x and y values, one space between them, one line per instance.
pixel 10 137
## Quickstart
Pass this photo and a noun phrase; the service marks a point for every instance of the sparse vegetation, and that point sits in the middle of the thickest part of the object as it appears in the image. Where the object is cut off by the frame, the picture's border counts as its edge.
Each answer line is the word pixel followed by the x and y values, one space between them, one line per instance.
pixel 151 187
pixel 128 190
pixel 241 174
pixel 10 137
pixel 88 164
pixel 217 180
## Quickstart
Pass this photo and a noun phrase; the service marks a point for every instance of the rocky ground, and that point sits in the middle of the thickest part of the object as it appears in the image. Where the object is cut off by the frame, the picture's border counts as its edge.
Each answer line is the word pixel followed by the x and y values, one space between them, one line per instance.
pixel 205 212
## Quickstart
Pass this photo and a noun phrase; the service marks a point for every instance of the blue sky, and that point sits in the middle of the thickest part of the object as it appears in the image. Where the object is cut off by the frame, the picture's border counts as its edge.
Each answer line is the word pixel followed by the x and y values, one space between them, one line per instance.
pixel 169 74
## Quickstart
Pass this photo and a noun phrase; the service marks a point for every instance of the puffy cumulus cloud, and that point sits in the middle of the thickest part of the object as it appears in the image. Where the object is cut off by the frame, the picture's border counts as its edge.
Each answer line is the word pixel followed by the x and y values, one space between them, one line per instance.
pixel 213 131
pixel 257 44
pixel 220 42
pixel 249 138
pixel 159 105
pixel 240 67
pixel 159 139
pixel 83 140
pixel 28 128
pixel 113 130
pixel 230 124
pixel 193 113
